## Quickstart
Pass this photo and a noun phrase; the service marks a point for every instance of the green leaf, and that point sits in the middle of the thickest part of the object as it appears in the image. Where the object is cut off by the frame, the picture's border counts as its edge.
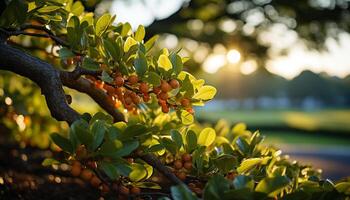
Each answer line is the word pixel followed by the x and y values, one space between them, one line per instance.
pixel 177 138
pixel 215 187
pixel 206 137
pixel 47 9
pixel 65 53
pixel 343 187
pixel 153 78
pixel 49 162
pixel 127 149
pixel 90 64
pixel 133 131
pixel 126 29
pixel 186 117
pixel 138 172
pixel 205 93
pixel 226 163
pixel 248 164
pixel 242 145
pixel 98 131
pixel 176 63
pixel 102 24
pixel 109 148
pixel 77 8
pixel 242 181
pixel 169 145
pixel 148 185
pixel 109 169
pixel 140 33
pixel 14 14
pixel 181 192
pixel 140 64
pixel 164 62
pixel 272 185
pixel 129 43
pixel 106 77
pixel 150 43
pixel 191 140
pixel 112 49
pixel 62 142
pixel 82 132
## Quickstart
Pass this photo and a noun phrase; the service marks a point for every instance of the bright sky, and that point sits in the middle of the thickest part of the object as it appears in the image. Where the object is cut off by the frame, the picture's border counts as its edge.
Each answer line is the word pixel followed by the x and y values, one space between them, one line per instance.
pixel 335 61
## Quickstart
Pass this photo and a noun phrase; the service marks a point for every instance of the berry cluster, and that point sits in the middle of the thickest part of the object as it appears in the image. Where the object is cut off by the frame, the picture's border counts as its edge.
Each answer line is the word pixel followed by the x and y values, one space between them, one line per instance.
pixel 182 166
pixel 129 91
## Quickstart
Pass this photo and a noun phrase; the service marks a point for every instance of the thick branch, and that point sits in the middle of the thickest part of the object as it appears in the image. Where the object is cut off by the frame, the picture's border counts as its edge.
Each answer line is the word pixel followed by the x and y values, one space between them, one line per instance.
pixel 85 86
pixel 43 74
pixel 154 162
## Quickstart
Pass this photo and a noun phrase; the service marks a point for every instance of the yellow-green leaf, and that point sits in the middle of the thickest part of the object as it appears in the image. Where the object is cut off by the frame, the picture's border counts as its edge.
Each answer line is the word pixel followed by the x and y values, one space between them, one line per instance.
pixel 164 62
pixel 206 137
pixel 102 24
pixel 186 117
pixel 140 33
pixel 138 172
pixel 129 43
pixel 205 93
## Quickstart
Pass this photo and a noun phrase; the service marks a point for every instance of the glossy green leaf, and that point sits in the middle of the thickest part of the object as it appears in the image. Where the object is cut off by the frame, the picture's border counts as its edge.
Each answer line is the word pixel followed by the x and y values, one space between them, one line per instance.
pixel 140 64
pixel 153 78
pixel 205 93
pixel 215 187
pixel 191 140
pixel 177 138
pixel 65 53
pixel 150 43
pixel 272 185
pixel 127 149
pixel 90 64
pixel 186 117
pixel 248 164
pixel 206 137
pixel 62 142
pixel 164 62
pixel 106 77
pixel 98 130
pixel 102 24
pixel 138 172
pixel 140 33
pixel 242 181
pixel 109 169
pixel 181 192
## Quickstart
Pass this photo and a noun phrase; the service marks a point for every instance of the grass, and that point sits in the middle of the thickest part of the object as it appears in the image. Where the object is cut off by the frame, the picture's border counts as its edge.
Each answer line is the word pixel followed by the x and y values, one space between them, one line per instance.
pixel 330 120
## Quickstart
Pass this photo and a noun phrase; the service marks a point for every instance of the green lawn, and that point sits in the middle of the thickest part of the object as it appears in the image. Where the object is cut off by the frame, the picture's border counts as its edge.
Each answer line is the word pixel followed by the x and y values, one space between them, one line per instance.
pixel 332 120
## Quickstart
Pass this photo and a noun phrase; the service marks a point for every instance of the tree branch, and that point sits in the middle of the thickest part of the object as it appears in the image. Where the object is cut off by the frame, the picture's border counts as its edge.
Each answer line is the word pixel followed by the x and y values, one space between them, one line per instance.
pixel 44 75
pixel 85 86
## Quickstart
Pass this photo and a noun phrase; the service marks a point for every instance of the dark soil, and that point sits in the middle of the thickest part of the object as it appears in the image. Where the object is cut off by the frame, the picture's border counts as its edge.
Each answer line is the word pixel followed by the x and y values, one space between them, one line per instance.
pixel 23 177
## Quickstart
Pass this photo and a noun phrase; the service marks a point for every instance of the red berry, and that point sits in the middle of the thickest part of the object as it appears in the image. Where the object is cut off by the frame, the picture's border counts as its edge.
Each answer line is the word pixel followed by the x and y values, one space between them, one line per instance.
pixel 165 87
pixel 165 109
pixel 188 165
pixel 146 98
pixel 163 96
pixel 186 157
pixel 185 102
pixel 119 81
pixel 174 83
pixel 156 90
pixel 133 79
pixel 178 164
pixel 143 88
pixel 136 99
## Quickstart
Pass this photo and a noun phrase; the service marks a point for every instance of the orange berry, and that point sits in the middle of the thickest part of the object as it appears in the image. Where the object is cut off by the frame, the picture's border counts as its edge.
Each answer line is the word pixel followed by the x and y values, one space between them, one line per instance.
pixel 130 160
pixel 86 174
pixel 163 96
pixel 76 170
pixel 230 176
pixel 128 100
pixel 190 110
pixel 156 90
pixel 186 157
pixel 136 99
pixel 165 87
pixel 135 190
pixel 95 181
pixel 185 102
pixel 165 109
pixel 178 164
pixel 124 190
pixel 133 79
pixel 70 61
pixel 146 98
pixel 143 88
pixel 174 83
pixel 117 104
pixel 119 81
pixel 105 188
pixel 188 165
pixel 181 175
pixel 109 89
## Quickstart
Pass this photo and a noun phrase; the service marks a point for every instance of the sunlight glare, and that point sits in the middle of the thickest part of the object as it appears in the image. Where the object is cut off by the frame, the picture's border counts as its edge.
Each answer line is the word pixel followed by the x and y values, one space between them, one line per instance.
pixel 214 62
pixel 233 56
